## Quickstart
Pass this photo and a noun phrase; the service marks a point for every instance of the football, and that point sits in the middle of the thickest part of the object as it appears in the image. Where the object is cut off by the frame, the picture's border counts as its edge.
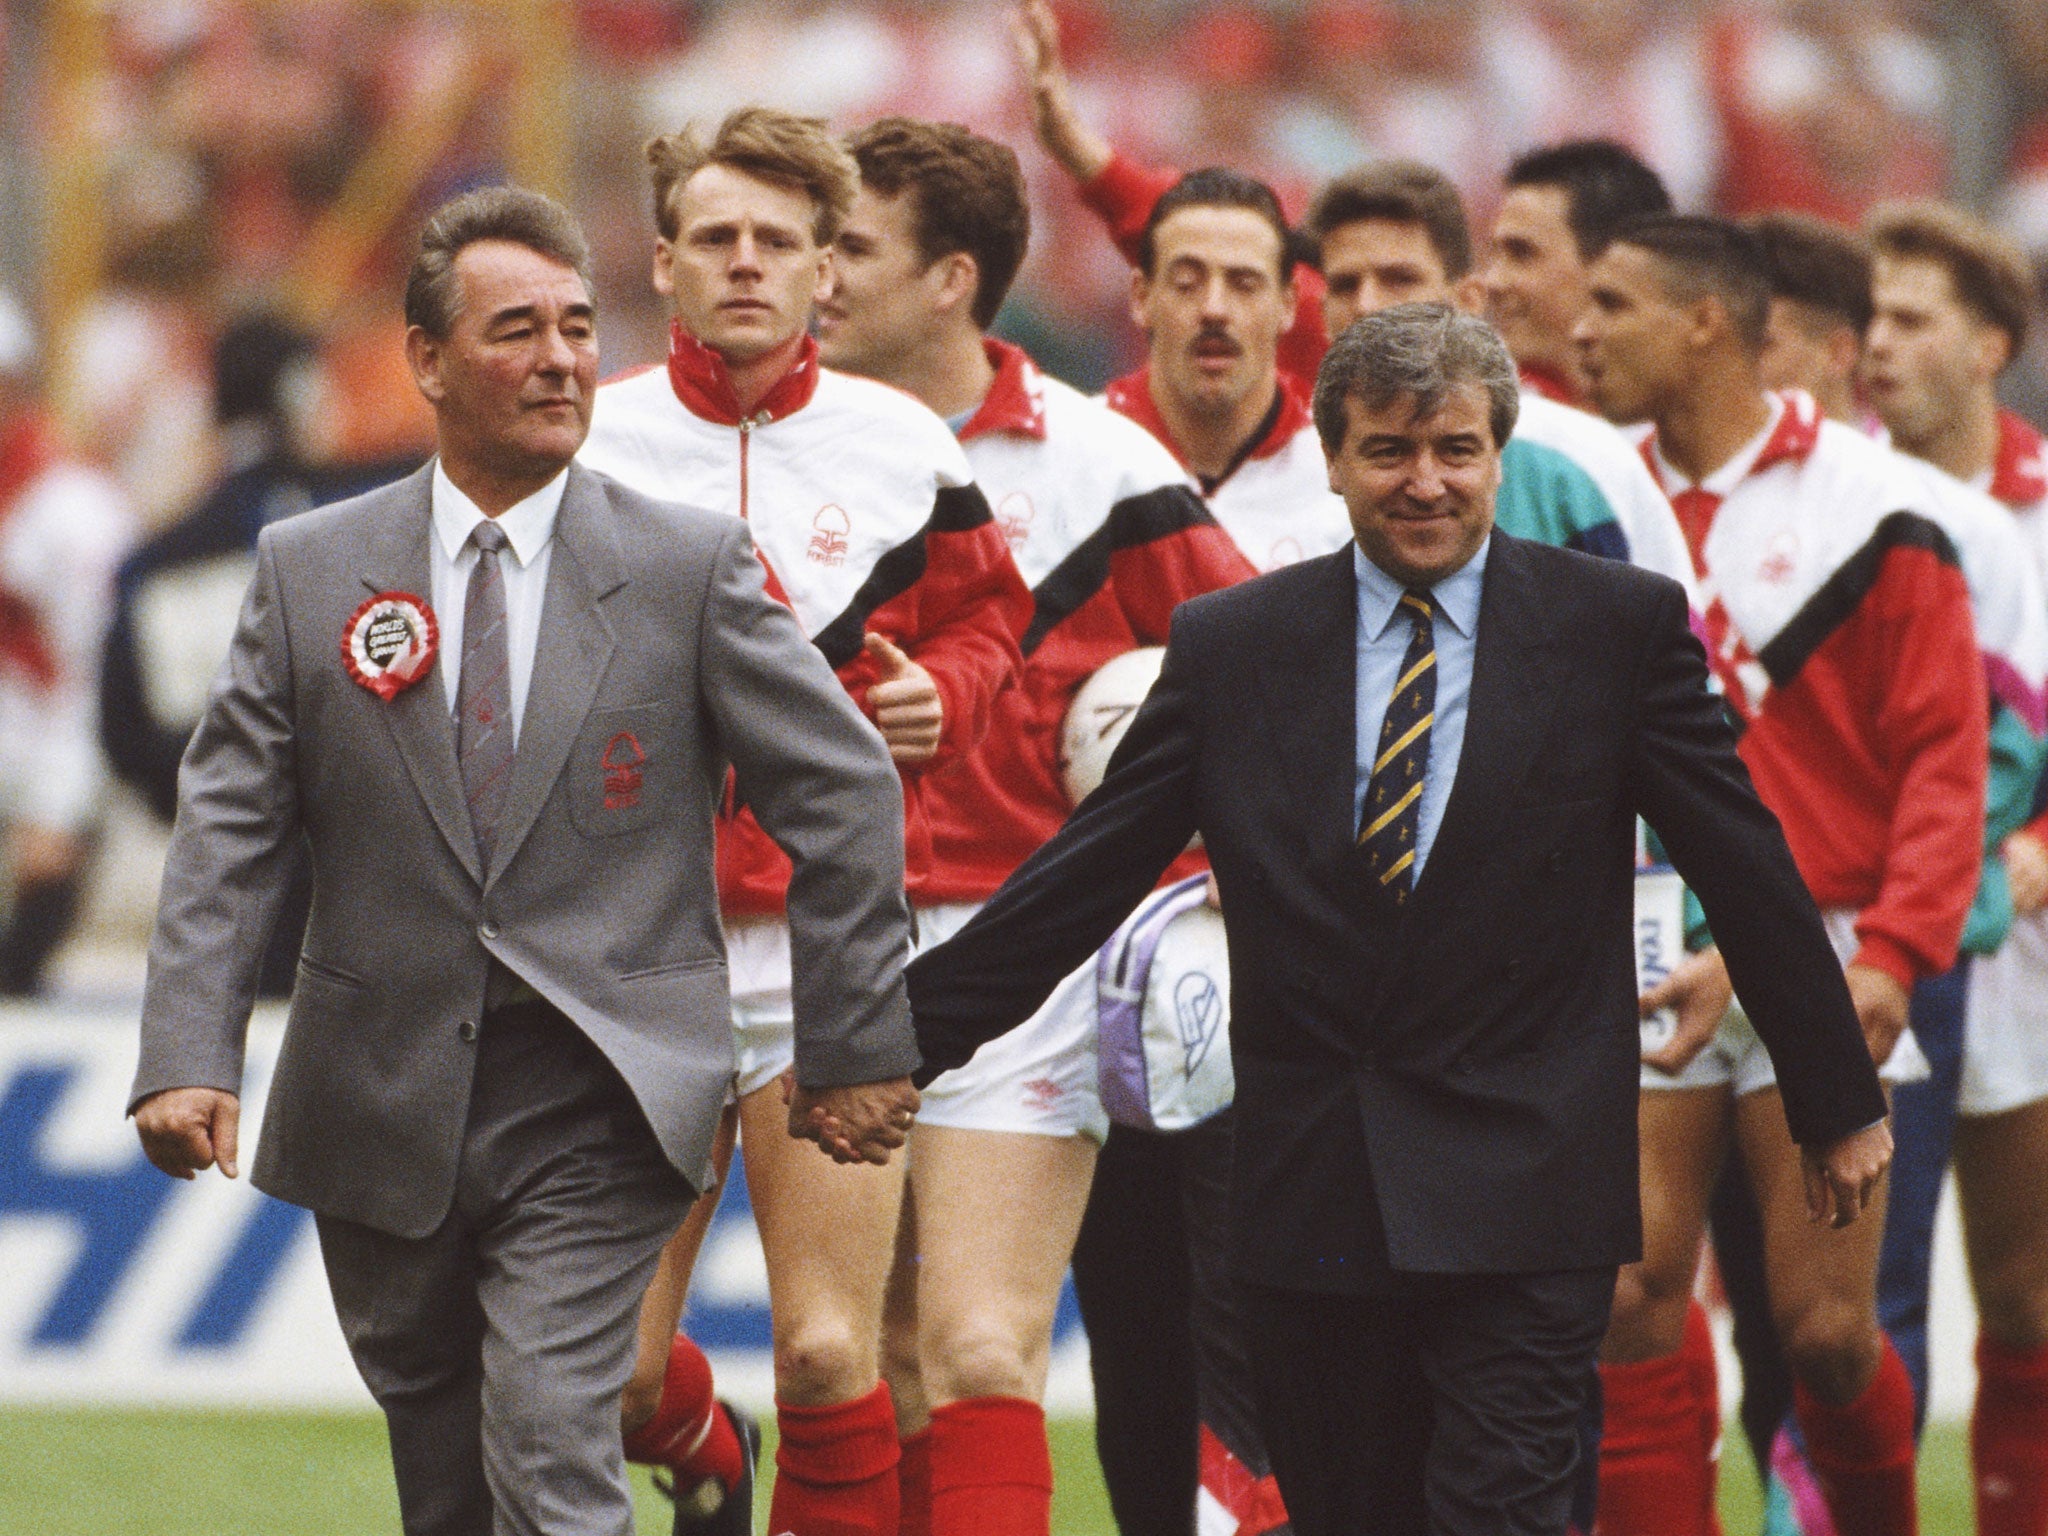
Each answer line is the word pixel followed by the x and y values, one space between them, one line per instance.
pixel 1099 716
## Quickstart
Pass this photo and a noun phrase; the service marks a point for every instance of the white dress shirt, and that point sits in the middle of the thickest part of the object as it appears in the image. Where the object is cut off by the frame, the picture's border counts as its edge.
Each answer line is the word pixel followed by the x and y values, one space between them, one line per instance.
pixel 530 539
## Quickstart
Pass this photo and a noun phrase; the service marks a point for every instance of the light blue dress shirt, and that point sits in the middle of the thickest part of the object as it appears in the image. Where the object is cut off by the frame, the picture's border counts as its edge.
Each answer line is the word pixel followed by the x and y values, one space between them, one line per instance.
pixel 1383 636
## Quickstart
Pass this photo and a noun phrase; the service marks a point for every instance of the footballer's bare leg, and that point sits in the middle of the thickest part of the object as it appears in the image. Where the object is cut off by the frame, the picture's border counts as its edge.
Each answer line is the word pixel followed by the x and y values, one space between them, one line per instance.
pixel 661 1310
pixel 2001 1169
pixel 900 1366
pixel 1852 1396
pixel 997 1213
pixel 1662 1411
pixel 828 1231
pixel 1684 1135
pixel 669 1413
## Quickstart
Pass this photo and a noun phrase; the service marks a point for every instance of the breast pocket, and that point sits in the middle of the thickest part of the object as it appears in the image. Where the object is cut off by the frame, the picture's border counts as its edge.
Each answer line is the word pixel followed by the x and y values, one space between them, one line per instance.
pixel 623 771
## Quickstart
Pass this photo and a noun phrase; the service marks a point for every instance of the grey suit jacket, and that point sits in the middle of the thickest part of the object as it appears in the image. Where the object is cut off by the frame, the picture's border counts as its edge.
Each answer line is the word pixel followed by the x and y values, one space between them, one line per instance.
pixel 655 623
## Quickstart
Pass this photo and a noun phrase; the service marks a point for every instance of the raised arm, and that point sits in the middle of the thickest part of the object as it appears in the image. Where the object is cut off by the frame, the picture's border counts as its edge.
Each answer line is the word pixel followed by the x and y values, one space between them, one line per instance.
pixel 1082 151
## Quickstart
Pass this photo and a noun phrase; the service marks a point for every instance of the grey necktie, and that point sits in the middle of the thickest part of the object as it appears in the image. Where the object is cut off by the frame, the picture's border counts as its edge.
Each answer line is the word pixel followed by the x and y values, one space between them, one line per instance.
pixel 483 694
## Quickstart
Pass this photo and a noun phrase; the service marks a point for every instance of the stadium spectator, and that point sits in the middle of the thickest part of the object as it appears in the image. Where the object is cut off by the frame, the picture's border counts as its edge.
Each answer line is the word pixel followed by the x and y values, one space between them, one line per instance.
pixel 175 597
pixel 1952 302
pixel 1827 109
pixel 1882 800
pixel 1563 203
pixel 866 515
pixel 1634 71
pixel 1109 532
pixel 63 527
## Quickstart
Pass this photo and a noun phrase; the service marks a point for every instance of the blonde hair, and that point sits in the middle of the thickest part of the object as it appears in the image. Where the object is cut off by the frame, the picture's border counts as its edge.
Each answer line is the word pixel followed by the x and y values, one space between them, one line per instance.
pixel 781 148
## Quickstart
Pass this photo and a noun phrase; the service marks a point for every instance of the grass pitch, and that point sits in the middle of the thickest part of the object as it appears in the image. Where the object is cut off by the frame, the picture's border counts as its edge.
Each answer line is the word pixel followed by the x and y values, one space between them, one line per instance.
pixel 109 1473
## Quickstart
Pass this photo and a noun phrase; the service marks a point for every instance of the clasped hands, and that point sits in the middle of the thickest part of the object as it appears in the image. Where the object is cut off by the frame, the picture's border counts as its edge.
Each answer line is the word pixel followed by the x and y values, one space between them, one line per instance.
pixel 187 1130
pixel 1842 1176
pixel 860 1123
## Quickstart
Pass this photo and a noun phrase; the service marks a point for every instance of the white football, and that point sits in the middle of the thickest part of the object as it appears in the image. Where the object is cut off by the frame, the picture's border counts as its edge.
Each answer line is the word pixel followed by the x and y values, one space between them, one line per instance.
pixel 1099 716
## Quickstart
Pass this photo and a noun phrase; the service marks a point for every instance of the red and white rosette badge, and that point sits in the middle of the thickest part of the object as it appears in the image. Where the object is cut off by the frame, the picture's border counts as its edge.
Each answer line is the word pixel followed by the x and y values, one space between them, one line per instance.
pixel 390 643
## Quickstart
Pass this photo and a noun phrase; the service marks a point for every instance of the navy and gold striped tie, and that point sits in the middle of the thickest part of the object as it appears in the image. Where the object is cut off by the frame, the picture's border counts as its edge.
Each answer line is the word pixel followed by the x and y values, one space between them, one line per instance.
pixel 1392 817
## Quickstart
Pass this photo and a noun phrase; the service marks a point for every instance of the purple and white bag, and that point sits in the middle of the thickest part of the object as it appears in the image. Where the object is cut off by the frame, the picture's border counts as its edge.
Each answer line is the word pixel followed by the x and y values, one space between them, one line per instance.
pixel 1163 994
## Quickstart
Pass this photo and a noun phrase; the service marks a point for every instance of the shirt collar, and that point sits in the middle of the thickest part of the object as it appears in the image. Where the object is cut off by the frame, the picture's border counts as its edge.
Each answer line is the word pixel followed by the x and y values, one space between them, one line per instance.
pixel 699 377
pixel 2019 474
pixel 1456 596
pixel 528 524
pixel 1791 426
pixel 1015 401
pixel 1131 396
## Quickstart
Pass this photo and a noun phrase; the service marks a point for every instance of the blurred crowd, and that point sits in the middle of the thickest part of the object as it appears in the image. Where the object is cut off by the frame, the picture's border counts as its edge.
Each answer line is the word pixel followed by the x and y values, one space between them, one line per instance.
pixel 258 171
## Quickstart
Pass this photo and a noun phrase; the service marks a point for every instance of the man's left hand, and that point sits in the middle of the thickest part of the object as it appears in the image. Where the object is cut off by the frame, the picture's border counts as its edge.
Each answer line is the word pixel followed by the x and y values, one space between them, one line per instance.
pixel 1881 1008
pixel 1842 1177
pixel 861 1123
pixel 906 703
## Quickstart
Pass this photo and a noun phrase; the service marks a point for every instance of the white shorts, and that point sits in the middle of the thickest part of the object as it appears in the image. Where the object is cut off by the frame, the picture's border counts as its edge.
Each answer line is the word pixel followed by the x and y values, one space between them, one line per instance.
pixel 1040 1078
pixel 2005 1023
pixel 763 1021
pixel 1736 1059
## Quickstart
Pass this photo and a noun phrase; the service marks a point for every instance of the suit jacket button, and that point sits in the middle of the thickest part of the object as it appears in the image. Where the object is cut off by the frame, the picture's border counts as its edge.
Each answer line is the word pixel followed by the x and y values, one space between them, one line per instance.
pixel 467 1031
pixel 1514 969
pixel 488 929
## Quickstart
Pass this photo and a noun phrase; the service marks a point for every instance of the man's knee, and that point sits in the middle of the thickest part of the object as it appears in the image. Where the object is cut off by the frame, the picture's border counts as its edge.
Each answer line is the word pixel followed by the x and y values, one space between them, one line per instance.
pixel 823 1362
pixel 979 1358
pixel 1833 1346
pixel 1650 1300
pixel 2012 1310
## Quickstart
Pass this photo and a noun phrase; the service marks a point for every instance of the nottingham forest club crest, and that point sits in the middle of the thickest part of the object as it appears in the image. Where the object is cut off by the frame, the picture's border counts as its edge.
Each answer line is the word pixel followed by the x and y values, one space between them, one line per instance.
pixel 389 643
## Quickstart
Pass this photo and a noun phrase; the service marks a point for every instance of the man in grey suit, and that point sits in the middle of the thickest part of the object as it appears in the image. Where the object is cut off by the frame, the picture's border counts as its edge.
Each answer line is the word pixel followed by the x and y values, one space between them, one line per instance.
pixel 510 1043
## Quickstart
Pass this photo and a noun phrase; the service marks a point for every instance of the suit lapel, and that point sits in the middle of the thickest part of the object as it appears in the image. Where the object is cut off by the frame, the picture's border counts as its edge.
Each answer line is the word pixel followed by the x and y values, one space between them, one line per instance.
pixel 1311 702
pixel 1504 721
pixel 575 646
pixel 395 559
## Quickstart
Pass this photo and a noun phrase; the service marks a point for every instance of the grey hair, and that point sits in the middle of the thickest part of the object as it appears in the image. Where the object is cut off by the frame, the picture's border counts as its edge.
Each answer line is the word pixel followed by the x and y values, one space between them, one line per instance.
pixel 1420 352
pixel 433 295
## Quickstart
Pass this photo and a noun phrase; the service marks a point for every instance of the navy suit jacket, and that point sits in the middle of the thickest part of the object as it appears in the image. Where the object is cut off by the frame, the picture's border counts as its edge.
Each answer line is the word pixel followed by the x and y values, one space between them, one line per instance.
pixel 1450 1088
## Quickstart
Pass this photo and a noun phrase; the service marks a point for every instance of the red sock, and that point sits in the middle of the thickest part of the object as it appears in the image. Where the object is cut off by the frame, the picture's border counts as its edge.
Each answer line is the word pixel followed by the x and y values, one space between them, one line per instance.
pixel 1253 1501
pixel 689 1432
pixel 836 1468
pixel 2009 1440
pixel 991 1469
pixel 1862 1453
pixel 1655 1479
pixel 1698 1350
pixel 914 1480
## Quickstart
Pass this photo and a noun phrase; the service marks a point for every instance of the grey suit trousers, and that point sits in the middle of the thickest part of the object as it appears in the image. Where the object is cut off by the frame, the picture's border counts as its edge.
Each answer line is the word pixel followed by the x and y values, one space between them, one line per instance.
pixel 498 1345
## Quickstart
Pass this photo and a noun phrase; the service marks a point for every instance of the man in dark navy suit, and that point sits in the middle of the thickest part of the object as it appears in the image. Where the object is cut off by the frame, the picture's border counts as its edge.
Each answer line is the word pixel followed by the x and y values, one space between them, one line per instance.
pixel 1417 766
